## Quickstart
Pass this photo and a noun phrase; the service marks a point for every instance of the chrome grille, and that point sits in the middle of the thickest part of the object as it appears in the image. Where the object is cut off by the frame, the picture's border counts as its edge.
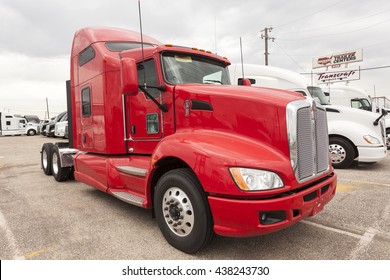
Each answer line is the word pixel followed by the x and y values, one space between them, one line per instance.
pixel 305 144
pixel 322 140
pixel 308 139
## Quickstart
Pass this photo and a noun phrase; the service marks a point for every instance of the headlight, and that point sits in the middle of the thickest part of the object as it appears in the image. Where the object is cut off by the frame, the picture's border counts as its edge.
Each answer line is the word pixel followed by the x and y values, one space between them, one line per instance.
pixel 255 180
pixel 371 139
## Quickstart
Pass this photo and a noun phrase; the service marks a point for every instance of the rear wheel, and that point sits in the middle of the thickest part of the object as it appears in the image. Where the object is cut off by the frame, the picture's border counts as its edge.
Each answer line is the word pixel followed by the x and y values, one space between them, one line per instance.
pixel 182 211
pixel 60 173
pixel 46 152
pixel 341 152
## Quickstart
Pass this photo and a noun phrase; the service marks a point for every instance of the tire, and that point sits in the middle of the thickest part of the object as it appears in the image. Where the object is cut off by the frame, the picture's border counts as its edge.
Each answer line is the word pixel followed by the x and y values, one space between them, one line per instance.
pixel 388 138
pixel 190 230
pixel 46 155
pixel 341 152
pixel 31 132
pixel 60 174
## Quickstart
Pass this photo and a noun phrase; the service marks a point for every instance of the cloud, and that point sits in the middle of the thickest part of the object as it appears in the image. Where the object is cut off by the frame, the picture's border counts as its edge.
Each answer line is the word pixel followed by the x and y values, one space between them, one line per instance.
pixel 37 36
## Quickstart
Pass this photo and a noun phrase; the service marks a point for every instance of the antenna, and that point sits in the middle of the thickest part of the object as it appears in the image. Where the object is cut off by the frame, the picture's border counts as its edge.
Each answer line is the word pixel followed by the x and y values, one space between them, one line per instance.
pixel 142 41
pixel 242 60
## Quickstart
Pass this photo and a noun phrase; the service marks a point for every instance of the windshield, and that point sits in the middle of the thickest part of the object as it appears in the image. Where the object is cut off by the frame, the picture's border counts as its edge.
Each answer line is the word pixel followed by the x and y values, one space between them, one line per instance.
pixel 180 68
pixel 318 95
pixel 361 103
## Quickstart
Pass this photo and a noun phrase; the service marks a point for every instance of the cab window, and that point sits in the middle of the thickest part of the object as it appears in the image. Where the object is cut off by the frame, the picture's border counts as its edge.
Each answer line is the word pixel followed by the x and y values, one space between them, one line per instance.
pixel 147 75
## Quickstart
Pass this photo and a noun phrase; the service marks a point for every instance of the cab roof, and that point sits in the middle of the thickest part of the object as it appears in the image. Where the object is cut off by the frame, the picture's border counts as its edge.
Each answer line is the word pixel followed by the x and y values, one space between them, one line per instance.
pixel 89 35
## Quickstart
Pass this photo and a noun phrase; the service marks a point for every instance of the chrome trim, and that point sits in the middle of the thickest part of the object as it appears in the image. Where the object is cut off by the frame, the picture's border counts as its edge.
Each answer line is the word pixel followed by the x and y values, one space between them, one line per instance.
pixel 66 156
pixel 135 171
pixel 124 118
pixel 292 133
pixel 292 126
pixel 129 198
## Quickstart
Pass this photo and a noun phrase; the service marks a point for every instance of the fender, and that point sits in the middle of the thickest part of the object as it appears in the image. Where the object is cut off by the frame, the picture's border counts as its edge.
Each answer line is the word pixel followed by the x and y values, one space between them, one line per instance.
pixel 210 153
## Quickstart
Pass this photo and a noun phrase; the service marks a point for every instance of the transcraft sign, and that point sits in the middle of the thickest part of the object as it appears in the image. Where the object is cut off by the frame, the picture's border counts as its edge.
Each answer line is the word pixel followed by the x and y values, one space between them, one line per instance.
pixel 338 58
pixel 339 76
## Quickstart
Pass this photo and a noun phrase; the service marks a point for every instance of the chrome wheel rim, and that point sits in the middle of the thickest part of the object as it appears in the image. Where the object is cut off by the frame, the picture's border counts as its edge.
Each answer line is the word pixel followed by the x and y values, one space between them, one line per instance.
pixel 55 164
pixel 337 153
pixel 178 212
pixel 44 159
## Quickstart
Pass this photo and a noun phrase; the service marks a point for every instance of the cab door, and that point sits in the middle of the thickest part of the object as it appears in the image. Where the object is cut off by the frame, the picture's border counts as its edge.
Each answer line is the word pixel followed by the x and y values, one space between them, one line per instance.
pixel 144 118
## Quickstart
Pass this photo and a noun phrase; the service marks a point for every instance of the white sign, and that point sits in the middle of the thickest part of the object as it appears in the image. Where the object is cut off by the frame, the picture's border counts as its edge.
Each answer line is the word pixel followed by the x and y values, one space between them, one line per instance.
pixel 338 58
pixel 339 76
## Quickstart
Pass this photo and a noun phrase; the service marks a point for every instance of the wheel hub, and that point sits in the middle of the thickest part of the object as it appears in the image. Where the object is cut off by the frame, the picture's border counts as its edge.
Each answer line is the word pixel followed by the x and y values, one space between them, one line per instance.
pixel 174 212
pixel 337 153
pixel 178 211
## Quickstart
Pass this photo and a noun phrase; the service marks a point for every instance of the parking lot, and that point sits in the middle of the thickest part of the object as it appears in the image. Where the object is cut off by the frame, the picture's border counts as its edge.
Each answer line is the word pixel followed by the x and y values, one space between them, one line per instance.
pixel 43 219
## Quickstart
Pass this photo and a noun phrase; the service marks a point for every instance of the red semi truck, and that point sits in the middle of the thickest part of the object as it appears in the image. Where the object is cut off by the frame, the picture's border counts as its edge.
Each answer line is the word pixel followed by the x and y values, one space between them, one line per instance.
pixel 161 127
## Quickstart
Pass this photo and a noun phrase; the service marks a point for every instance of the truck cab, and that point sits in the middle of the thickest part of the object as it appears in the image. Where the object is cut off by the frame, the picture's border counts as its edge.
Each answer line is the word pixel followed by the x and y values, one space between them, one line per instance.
pixel 353 134
pixel 356 98
pixel 12 125
pixel 161 127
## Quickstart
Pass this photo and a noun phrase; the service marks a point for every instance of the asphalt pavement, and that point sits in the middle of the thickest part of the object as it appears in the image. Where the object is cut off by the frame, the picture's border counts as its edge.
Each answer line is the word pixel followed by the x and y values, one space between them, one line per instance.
pixel 46 220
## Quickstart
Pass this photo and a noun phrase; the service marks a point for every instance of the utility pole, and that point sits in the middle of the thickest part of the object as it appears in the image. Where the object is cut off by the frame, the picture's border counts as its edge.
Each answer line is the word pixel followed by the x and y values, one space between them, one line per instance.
pixel 266 37
pixel 47 108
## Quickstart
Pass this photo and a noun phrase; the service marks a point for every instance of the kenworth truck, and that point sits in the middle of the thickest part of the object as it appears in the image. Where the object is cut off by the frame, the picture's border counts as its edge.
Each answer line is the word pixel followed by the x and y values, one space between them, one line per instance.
pixel 160 127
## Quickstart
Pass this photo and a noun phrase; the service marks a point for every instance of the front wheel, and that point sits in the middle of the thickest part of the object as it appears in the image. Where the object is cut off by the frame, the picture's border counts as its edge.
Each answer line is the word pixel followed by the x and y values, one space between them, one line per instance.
pixel 341 152
pixel 182 211
pixel 31 132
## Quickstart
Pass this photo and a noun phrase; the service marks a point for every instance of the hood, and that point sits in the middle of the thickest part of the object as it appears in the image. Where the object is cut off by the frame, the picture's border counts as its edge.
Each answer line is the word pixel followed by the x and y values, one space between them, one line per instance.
pixel 353 113
pixel 251 112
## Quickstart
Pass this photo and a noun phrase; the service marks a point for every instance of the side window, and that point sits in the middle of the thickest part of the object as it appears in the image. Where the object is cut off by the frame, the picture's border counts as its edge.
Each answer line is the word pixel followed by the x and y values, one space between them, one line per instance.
pixel 148 70
pixel 356 104
pixel 86 102
pixel 86 55
pixel 152 124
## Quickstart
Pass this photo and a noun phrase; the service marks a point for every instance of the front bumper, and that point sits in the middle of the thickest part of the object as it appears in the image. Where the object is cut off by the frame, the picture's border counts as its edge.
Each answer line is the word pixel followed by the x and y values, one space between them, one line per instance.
pixel 242 218
pixel 368 154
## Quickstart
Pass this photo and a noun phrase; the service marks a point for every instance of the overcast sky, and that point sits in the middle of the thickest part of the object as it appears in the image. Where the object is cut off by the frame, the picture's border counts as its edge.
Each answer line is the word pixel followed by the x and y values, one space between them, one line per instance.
pixel 36 37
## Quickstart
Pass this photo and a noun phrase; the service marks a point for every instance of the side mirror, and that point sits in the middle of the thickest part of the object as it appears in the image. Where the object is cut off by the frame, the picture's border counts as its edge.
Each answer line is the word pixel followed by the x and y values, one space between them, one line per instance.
pixel 246 82
pixel 129 76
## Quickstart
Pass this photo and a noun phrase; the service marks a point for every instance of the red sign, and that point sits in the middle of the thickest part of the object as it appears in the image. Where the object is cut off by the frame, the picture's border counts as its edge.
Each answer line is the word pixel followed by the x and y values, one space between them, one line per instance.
pixel 339 58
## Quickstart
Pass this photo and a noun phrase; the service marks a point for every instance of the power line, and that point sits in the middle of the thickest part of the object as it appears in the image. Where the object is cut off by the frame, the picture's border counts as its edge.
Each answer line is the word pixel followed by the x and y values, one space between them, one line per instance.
pixel 311 14
pixel 289 56
pixel 361 69
pixel 337 24
pixel 340 33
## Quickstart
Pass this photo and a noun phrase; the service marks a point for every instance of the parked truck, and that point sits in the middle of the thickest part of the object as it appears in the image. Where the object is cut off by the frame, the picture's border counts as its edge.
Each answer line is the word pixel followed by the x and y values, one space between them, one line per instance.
pixel 160 127
pixel 356 98
pixel 353 134
pixel 12 125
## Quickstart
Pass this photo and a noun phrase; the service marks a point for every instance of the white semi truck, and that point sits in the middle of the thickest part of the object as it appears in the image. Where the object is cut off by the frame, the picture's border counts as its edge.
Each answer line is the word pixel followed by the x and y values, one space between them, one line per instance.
pixel 11 125
pixel 356 98
pixel 353 134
